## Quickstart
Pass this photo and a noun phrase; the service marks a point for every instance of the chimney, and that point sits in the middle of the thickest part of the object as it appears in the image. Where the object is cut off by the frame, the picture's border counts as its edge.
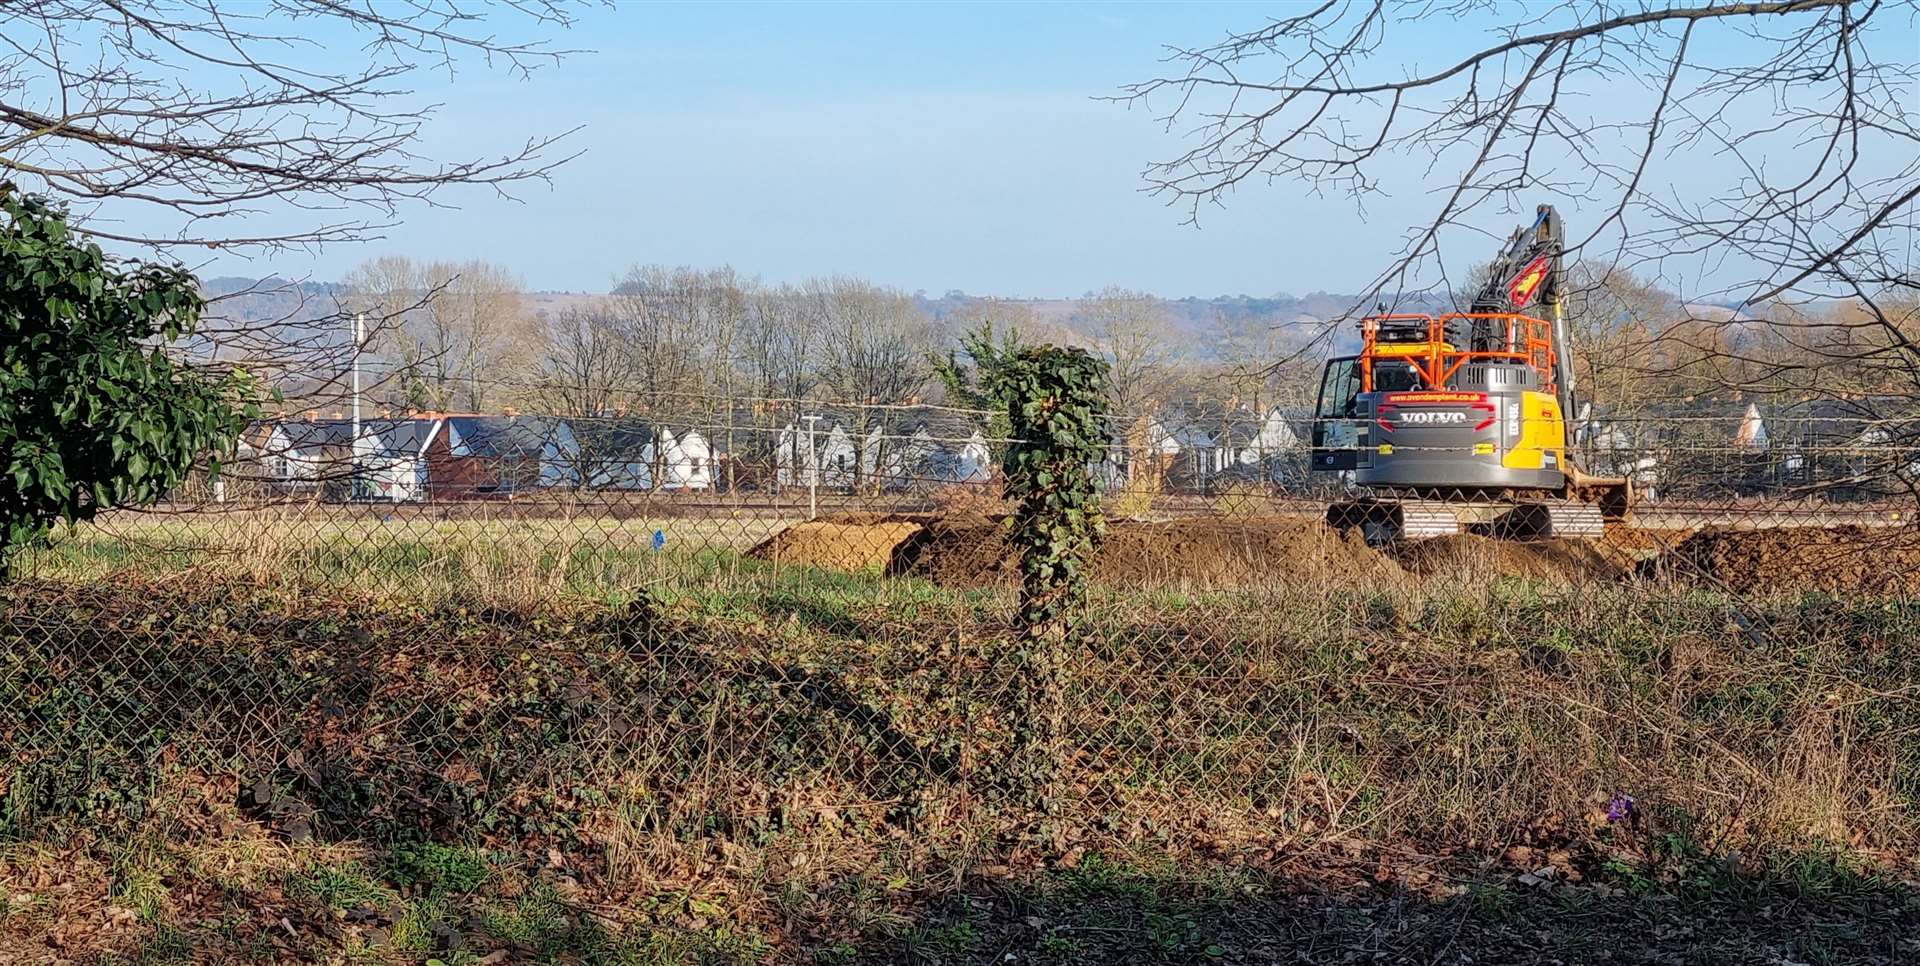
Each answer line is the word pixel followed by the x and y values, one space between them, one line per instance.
pixel 510 412
pixel 313 414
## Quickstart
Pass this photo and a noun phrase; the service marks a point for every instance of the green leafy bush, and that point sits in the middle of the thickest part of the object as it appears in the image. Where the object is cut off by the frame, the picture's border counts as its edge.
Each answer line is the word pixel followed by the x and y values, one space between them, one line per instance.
pixel 95 412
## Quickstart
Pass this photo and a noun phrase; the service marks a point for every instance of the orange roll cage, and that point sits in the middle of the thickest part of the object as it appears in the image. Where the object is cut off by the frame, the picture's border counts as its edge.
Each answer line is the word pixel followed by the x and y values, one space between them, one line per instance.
pixel 1528 341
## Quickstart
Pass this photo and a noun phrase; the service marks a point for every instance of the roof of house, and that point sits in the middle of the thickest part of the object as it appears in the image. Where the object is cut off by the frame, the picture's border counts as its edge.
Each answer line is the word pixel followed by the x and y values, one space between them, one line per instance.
pixel 603 436
pixel 507 437
pixel 409 436
pixel 1772 419
pixel 1883 418
pixel 401 435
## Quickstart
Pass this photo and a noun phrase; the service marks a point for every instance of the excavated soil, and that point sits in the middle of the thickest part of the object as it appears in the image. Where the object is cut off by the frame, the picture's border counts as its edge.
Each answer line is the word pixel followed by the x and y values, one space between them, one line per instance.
pixel 1834 559
pixel 838 544
pixel 1555 560
pixel 1207 553
pixel 972 551
pixel 1635 543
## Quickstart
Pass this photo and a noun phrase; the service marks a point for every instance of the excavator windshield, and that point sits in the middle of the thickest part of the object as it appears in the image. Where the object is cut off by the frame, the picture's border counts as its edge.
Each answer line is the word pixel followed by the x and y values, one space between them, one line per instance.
pixel 1396 375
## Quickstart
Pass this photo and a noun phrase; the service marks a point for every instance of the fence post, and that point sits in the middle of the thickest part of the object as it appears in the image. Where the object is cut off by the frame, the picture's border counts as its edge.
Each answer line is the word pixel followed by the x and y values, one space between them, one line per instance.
pixel 1056 412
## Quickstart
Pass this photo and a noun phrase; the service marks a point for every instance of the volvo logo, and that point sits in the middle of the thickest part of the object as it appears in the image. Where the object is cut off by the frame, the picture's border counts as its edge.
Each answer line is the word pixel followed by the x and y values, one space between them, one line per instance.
pixel 1431 417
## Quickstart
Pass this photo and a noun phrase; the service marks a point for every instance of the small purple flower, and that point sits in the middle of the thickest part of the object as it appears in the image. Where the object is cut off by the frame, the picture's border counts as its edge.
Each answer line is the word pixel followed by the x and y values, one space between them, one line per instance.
pixel 1620 808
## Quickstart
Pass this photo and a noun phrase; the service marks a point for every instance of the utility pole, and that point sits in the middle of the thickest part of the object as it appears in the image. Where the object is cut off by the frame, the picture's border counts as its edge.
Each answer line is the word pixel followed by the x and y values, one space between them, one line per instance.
pixel 359 335
pixel 813 470
pixel 355 467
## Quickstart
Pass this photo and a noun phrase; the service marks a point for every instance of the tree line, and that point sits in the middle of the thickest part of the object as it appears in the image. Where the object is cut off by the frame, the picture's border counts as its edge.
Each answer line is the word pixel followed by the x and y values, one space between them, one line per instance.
pixel 465 336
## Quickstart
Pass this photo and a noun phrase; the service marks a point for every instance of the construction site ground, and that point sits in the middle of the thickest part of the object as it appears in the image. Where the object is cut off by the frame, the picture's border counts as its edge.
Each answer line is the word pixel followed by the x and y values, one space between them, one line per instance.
pixel 1739 554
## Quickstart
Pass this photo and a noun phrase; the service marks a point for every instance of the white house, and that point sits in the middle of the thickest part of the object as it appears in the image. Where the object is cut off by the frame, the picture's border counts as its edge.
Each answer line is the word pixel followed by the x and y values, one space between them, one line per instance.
pixel 882 458
pixel 390 459
pixel 972 462
pixel 686 461
pixel 298 455
pixel 1243 441
pixel 635 456
pixel 836 461
pixel 1752 434
pixel 385 460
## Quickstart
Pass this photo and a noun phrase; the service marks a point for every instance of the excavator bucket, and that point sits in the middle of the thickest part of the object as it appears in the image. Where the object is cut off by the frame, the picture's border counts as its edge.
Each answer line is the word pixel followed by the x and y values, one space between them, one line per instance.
pixel 1612 494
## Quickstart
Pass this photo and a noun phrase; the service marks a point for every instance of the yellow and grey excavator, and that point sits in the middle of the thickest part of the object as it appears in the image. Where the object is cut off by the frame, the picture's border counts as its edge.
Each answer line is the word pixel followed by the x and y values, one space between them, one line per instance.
pixel 1445 423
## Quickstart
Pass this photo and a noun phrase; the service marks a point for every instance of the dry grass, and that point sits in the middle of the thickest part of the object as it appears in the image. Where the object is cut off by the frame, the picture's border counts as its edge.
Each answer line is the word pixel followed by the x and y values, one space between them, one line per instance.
pixel 783 762
pixel 509 560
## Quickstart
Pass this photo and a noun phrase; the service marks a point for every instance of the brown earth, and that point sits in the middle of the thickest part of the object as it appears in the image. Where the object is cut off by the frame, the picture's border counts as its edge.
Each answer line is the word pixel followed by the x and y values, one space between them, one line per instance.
pixel 972 551
pixel 961 553
pixel 1836 559
pixel 1557 560
pixel 1639 542
pixel 841 545
pixel 1210 553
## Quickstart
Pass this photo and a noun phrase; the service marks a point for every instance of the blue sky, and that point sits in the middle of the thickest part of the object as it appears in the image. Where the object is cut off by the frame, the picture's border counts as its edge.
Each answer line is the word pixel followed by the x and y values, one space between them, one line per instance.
pixel 924 146
pixel 927 146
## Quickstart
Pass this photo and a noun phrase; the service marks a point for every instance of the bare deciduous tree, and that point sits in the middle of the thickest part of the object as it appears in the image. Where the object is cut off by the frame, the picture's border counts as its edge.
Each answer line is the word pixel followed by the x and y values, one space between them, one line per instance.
pixel 448 333
pixel 874 344
pixel 1619 323
pixel 259 125
pixel 659 313
pixel 1785 128
pixel 779 350
pixel 577 363
pixel 1133 331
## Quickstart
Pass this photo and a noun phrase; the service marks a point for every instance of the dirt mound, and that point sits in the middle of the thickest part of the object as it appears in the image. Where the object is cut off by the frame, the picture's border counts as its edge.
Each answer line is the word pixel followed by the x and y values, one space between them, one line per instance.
pixel 870 518
pixel 1837 559
pixel 1208 553
pixel 1634 543
pixel 837 544
pixel 1560 560
pixel 958 553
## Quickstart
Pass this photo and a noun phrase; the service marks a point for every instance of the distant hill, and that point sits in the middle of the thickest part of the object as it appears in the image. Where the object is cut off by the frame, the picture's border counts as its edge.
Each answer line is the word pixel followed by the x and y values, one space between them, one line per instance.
pixel 1198 325
pixel 252 301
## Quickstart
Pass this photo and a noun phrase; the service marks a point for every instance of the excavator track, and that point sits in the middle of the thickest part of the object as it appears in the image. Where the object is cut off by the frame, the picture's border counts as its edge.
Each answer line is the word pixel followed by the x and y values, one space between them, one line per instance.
pixel 1386 519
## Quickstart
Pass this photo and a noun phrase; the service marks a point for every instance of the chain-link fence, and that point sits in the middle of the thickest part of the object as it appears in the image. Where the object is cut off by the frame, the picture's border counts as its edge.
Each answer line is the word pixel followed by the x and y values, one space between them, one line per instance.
pixel 758 664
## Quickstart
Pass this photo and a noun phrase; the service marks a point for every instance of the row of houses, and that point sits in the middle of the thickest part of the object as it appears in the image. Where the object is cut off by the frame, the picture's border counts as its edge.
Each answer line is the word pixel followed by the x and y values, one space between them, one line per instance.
pixel 1838 448
pixel 1703 446
pixel 468 456
pixel 1196 450
pixel 838 457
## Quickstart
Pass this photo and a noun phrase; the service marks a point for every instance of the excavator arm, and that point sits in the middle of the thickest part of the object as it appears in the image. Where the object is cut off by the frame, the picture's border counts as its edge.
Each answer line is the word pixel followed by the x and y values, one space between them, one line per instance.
pixel 1527 271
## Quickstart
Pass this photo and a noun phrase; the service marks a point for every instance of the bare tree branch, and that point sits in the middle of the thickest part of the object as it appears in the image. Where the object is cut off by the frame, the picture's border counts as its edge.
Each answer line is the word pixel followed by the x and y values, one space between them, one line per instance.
pixel 201 116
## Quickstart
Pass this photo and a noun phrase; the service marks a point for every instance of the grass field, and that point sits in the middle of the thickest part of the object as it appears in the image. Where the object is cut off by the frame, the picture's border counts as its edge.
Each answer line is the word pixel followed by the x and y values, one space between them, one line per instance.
pixel 747 763
pixel 505 559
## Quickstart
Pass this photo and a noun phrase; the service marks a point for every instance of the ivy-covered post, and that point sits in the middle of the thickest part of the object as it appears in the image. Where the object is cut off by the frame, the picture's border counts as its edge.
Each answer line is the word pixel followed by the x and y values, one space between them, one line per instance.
pixel 1056 415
